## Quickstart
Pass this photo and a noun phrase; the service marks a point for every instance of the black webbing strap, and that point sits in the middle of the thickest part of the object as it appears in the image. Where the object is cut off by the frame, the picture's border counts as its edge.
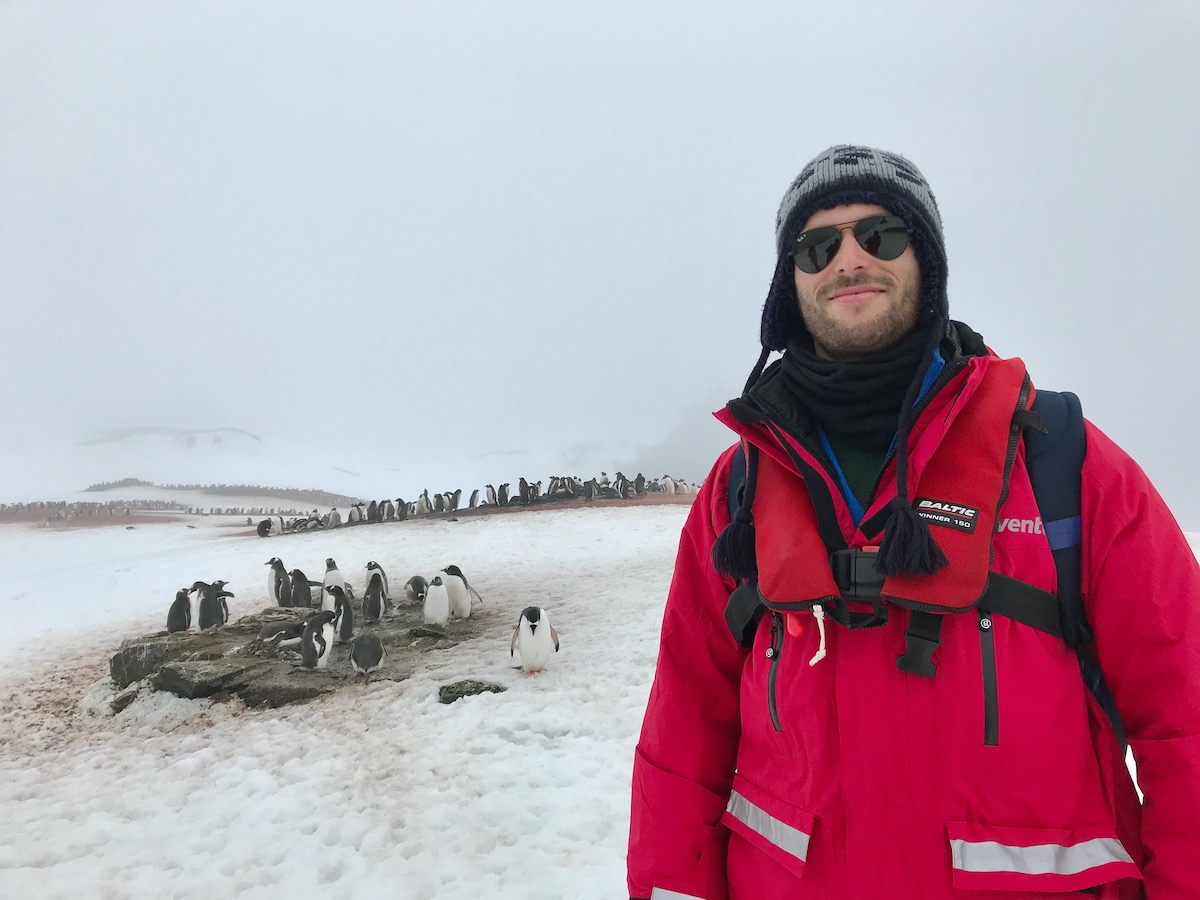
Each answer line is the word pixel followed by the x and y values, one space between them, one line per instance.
pixel 743 612
pixel 1021 602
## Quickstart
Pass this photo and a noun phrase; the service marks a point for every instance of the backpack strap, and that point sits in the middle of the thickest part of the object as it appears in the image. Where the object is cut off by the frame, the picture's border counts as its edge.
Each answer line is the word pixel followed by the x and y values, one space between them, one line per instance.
pixel 1054 458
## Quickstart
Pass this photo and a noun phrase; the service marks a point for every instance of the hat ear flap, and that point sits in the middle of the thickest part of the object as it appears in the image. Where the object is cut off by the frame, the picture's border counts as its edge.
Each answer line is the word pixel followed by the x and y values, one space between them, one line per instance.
pixel 781 313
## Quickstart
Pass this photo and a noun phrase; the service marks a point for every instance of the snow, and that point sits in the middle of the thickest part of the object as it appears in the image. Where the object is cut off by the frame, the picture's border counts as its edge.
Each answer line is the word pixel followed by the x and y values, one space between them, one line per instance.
pixel 377 791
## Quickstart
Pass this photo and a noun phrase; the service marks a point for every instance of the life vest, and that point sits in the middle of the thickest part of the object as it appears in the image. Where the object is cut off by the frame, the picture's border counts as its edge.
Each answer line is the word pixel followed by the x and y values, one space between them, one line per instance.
pixel 960 486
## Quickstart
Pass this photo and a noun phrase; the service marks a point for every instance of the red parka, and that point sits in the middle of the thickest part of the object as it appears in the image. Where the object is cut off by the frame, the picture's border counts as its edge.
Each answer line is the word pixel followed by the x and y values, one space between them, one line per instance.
pixel 758 775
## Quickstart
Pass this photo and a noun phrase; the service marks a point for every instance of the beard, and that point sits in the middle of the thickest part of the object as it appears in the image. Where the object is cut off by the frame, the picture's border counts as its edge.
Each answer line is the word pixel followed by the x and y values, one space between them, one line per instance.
pixel 841 340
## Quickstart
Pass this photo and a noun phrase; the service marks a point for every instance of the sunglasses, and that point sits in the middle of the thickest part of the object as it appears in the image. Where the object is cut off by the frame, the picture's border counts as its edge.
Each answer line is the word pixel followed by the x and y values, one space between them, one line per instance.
pixel 884 237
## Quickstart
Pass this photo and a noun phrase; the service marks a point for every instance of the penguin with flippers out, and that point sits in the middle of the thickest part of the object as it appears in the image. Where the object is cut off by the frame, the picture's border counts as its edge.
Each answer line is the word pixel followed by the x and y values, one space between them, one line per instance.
pixel 535 638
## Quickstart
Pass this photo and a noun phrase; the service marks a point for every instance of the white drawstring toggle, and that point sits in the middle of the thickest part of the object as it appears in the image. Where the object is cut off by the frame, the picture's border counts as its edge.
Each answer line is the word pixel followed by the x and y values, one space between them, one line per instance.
pixel 819 615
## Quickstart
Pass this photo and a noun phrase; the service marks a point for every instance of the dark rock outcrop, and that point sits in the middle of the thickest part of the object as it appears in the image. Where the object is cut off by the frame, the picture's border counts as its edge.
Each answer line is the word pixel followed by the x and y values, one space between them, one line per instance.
pixel 448 693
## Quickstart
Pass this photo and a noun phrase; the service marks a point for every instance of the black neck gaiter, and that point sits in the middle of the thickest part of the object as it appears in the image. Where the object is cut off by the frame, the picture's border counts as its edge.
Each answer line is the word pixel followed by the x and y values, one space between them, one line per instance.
pixel 858 402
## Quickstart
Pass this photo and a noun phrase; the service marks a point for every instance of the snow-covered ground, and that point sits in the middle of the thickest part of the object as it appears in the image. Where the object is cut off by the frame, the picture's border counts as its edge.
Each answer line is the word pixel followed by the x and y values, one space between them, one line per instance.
pixel 375 792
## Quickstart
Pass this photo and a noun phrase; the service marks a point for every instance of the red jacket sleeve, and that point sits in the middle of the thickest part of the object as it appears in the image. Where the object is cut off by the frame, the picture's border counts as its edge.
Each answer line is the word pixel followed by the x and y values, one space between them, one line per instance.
pixel 1141 585
pixel 684 763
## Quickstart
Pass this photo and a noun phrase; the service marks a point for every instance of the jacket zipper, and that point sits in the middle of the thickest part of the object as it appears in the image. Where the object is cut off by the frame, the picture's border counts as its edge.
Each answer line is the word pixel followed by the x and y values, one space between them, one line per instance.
pixel 778 630
pixel 991 703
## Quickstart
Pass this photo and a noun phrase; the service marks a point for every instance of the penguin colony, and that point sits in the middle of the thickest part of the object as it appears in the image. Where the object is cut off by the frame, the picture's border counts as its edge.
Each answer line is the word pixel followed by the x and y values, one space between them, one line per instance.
pixel 331 618
pixel 559 488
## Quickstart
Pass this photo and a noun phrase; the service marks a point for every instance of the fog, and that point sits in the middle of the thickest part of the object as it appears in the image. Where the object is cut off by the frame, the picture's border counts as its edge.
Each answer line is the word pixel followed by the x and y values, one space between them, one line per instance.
pixel 413 236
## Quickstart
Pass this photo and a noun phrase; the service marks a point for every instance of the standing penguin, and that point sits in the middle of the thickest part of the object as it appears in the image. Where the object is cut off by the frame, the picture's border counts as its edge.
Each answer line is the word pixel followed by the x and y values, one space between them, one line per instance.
pixel 302 597
pixel 366 655
pixel 374 567
pixel 343 620
pixel 279 585
pixel 373 599
pixel 317 642
pixel 333 578
pixel 491 495
pixel 535 638
pixel 455 570
pixel 212 611
pixel 457 595
pixel 179 616
pixel 414 589
pixel 437 604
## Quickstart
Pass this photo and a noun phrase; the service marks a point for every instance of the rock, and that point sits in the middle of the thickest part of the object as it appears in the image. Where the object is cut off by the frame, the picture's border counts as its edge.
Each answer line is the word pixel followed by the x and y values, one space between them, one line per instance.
pixel 448 693
pixel 141 659
pixel 122 699
pixel 278 687
pixel 427 631
pixel 203 678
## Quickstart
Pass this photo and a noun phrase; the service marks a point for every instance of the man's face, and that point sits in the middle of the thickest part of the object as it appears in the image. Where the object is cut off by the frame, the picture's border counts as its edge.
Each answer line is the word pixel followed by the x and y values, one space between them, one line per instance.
pixel 858 304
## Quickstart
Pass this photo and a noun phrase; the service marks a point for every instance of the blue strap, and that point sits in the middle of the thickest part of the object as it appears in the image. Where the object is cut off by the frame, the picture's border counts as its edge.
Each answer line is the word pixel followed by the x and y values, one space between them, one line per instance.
pixel 856 508
pixel 1063 533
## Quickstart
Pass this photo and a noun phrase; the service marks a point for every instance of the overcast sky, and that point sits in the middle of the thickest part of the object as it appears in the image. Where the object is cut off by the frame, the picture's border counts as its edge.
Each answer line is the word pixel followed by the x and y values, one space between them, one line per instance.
pixel 443 229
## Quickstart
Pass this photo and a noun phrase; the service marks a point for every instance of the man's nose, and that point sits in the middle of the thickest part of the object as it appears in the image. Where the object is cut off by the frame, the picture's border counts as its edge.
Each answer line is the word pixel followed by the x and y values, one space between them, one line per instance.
pixel 850 254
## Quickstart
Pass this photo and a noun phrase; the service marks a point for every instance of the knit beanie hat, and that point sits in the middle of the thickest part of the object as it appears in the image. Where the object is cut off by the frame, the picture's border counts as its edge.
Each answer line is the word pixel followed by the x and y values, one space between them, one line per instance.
pixel 847 174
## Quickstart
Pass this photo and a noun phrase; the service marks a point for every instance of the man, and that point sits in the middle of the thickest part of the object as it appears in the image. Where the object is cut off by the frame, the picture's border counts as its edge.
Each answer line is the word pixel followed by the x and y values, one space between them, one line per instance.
pixel 865 723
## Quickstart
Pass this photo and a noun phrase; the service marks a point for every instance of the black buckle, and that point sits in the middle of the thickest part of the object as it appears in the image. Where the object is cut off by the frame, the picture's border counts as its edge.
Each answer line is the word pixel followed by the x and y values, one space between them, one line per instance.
pixel 922 637
pixel 856 574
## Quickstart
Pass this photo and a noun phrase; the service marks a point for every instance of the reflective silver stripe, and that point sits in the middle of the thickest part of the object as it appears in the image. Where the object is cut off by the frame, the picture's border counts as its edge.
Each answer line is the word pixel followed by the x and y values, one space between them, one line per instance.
pixel 1041 859
pixel 661 894
pixel 782 835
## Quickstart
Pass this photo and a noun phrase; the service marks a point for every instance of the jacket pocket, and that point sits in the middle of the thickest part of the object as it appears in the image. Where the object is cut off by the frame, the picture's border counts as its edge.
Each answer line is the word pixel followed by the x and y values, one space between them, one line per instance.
pixel 777 828
pixel 1036 860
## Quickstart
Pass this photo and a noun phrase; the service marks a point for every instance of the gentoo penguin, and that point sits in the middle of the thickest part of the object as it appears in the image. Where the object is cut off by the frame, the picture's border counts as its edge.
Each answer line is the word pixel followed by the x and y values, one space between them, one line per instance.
pixel 279 586
pixel 332 577
pixel 401 509
pixel 535 638
pixel 437 604
pixel 179 616
pixel 366 655
pixel 343 621
pixel 455 570
pixel 212 611
pixel 373 567
pixel 457 595
pixel 302 597
pixel 491 494
pixel 316 644
pixel 414 589
pixel 474 501
pixel 264 528
pixel 372 512
pixel 281 634
pixel 373 599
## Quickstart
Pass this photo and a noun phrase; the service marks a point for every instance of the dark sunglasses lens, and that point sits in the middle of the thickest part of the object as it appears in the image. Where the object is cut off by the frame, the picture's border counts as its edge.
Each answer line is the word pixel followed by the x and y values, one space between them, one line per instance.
pixel 884 237
pixel 814 249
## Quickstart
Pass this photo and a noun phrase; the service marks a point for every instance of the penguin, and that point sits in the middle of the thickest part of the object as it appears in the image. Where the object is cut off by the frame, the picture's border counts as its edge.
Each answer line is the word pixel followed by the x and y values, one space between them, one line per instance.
pixel 401 509
pixel 457 595
pixel 372 567
pixel 179 616
pixel 455 570
pixel 491 494
pixel 502 494
pixel 264 528
pixel 523 491
pixel 354 516
pixel 474 501
pixel 372 512
pixel 414 589
pixel 437 604
pixel 277 524
pixel 282 634
pixel 373 599
pixel 302 597
pixel 366 655
pixel 332 577
pixel 343 621
pixel 389 510
pixel 316 643
pixel 439 503
pixel 279 586
pixel 212 610
pixel 534 637
pixel 453 499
